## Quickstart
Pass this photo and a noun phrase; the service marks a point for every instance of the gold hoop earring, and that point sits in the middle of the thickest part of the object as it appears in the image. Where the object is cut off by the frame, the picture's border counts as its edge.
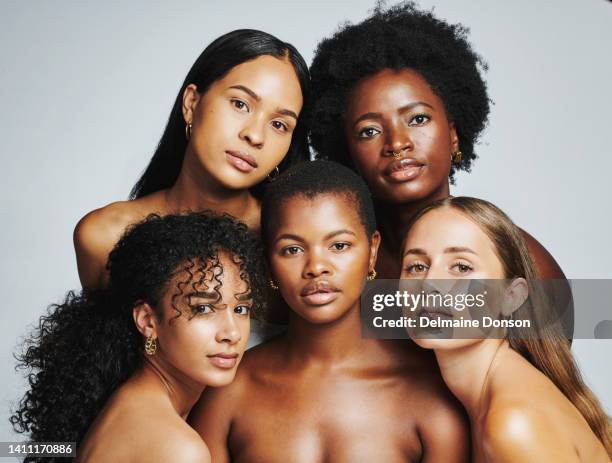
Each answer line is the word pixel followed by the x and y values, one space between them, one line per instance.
pixel 271 177
pixel 371 275
pixel 150 345
pixel 273 285
pixel 456 157
pixel 188 131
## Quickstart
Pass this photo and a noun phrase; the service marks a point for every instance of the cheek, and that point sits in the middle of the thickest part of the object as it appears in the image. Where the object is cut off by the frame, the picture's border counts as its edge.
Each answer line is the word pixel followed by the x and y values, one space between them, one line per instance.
pixel 276 149
pixel 364 156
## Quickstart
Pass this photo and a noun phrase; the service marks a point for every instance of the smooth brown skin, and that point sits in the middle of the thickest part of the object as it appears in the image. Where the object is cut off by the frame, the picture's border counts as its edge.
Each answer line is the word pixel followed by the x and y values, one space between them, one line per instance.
pixel 321 392
pixel 144 420
pixel 253 109
pixel 397 110
pixel 516 412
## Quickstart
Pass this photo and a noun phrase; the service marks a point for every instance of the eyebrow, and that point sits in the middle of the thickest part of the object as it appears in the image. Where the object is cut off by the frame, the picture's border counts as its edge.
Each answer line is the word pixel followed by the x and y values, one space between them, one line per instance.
pixel 243 296
pixel 404 108
pixel 204 295
pixel 289 236
pixel 256 97
pixel 452 249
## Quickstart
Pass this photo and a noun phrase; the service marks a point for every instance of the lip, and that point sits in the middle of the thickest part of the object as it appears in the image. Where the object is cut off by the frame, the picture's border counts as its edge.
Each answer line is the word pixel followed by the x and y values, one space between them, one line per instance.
pixel 403 170
pixel 435 313
pixel 319 293
pixel 241 160
pixel 226 361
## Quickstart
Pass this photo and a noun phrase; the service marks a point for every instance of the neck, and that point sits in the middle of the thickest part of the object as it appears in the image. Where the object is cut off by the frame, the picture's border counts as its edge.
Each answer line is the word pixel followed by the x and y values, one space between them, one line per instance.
pixel 329 343
pixel 394 218
pixel 467 372
pixel 196 190
pixel 181 392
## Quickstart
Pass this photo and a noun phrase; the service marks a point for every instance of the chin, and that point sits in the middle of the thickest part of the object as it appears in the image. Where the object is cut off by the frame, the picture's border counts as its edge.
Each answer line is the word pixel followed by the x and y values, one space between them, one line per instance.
pixel 218 379
pixel 321 315
pixel 230 179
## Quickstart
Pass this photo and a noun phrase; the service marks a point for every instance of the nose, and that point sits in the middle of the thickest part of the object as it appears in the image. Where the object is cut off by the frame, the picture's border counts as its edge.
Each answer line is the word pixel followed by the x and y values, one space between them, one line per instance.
pixel 316 265
pixel 253 132
pixel 398 141
pixel 438 280
pixel 228 330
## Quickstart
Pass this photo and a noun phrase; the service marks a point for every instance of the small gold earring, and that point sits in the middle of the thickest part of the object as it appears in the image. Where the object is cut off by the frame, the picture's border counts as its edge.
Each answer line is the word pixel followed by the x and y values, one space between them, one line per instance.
pixel 150 345
pixel 371 275
pixel 188 131
pixel 273 285
pixel 456 157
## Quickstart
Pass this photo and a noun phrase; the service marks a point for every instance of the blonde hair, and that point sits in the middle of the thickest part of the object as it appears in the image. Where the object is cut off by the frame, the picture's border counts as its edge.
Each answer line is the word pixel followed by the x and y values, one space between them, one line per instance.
pixel 549 351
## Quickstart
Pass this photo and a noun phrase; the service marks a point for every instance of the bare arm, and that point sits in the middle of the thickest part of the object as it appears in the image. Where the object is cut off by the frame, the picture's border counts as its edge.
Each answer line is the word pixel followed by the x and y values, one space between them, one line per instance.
pixel 559 290
pixel 515 433
pixel 546 265
pixel 94 237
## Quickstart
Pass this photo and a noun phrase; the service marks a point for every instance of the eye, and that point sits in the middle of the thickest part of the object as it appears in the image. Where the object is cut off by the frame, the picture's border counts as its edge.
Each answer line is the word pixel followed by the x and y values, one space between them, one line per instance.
pixel 417 268
pixel 242 309
pixel 240 105
pixel 461 267
pixel 368 132
pixel 341 246
pixel 202 308
pixel 291 250
pixel 278 125
pixel 419 119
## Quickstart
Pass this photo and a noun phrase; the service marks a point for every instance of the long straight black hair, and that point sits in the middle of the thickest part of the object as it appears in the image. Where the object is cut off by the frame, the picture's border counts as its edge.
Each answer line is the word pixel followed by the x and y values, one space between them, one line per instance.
pixel 216 61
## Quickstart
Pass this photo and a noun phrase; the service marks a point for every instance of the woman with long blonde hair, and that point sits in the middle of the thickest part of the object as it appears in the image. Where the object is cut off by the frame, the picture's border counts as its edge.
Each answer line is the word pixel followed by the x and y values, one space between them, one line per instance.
pixel 523 392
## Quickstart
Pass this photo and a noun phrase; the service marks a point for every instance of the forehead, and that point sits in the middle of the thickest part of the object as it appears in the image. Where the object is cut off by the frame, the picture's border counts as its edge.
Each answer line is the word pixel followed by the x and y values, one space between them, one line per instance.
pixel 319 215
pixel 446 227
pixel 271 78
pixel 391 87
pixel 200 274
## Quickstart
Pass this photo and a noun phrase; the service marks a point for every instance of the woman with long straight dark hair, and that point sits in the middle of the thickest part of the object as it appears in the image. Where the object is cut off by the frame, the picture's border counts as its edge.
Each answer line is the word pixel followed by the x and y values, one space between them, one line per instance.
pixel 236 121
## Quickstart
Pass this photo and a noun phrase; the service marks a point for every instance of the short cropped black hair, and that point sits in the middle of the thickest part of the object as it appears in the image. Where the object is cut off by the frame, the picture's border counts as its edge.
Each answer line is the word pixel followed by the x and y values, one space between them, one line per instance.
pixel 398 37
pixel 311 179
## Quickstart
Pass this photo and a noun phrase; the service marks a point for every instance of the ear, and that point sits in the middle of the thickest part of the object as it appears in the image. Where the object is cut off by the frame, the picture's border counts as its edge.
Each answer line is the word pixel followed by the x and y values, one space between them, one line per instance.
pixel 515 296
pixel 374 244
pixel 191 97
pixel 145 320
pixel 454 138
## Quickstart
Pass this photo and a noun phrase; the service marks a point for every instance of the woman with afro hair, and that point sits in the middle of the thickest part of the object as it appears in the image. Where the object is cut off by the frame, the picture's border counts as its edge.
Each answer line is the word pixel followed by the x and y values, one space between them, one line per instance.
pixel 116 371
pixel 400 99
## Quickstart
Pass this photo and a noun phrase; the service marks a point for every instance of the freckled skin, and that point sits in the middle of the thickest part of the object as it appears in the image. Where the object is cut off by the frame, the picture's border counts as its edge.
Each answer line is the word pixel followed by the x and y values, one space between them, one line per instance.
pixel 321 392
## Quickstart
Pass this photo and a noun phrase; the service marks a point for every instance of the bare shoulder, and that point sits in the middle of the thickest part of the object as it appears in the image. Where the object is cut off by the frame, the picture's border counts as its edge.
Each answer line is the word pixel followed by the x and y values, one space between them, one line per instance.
pixel 546 265
pixel 97 232
pixel 516 431
pixel 180 444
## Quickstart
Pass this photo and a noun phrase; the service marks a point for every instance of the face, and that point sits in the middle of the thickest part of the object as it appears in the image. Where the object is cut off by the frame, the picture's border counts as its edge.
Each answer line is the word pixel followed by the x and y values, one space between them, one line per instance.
pixel 320 256
pixel 204 340
pixel 243 124
pixel 396 111
pixel 445 245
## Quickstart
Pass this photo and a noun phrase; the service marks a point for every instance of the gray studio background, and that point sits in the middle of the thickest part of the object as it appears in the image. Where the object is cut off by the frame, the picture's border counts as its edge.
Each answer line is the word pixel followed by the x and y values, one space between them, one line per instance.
pixel 86 88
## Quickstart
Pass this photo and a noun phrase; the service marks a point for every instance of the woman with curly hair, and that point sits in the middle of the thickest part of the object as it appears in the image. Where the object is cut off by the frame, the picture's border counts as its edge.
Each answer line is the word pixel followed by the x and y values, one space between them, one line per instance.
pixel 235 121
pixel 118 370
pixel 400 98
pixel 520 386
